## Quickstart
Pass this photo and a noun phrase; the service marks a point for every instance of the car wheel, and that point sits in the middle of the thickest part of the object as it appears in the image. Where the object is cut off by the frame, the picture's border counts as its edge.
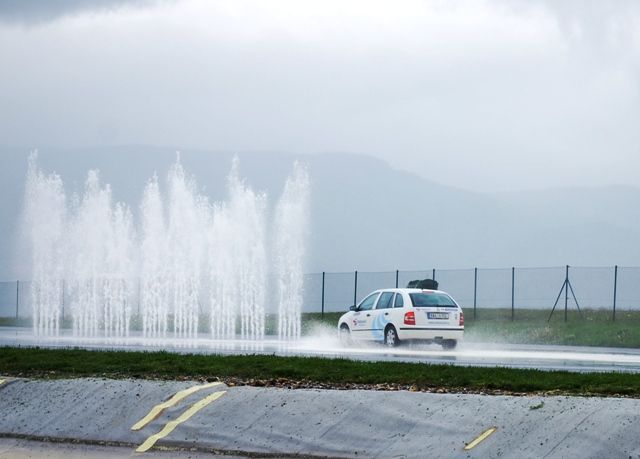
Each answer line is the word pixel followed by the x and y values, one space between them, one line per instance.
pixel 391 336
pixel 449 344
pixel 345 335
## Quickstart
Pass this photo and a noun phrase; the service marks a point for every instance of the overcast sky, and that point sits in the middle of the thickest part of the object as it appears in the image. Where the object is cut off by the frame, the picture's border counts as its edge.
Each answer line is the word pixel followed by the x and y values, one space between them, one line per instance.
pixel 481 95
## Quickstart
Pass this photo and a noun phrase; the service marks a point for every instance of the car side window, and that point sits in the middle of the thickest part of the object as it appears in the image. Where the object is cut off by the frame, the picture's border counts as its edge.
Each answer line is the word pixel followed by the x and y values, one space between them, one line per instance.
pixel 385 300
pixel 399 302
pixel 368 302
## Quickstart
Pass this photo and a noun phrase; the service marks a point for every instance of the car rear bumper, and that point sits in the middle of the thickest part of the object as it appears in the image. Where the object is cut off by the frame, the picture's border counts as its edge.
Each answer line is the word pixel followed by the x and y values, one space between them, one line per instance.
pixel 430 333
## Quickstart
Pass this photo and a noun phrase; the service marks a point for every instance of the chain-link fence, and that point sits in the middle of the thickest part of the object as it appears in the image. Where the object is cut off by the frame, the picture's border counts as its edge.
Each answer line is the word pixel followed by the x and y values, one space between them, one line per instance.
pixel 611 288
pixel 501 288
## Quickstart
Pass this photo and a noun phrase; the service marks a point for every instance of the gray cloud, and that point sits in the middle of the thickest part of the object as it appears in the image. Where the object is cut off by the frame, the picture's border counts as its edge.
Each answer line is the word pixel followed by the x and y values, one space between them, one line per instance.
pixel 481 95
pixel 606 28
pixel 38 12
pixel 594 20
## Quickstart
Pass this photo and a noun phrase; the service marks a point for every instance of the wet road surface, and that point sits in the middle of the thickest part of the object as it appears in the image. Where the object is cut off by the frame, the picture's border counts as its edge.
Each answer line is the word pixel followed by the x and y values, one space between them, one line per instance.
pixel 569 358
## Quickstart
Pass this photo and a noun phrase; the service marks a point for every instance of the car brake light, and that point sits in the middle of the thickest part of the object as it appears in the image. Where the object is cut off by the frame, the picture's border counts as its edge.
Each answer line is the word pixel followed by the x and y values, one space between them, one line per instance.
pixel 410 318
pixel 461 321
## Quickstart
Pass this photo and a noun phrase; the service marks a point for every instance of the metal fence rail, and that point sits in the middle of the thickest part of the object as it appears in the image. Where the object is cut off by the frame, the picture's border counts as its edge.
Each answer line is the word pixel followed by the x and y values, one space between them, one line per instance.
pixel 614 288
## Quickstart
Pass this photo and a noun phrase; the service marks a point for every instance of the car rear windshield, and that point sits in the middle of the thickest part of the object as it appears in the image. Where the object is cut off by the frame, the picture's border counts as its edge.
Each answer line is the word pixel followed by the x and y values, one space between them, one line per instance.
pixel 426 299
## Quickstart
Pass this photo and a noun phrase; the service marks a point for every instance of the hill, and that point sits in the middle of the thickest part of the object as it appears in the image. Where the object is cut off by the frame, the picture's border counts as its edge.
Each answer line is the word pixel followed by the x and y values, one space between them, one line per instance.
pixel 365 214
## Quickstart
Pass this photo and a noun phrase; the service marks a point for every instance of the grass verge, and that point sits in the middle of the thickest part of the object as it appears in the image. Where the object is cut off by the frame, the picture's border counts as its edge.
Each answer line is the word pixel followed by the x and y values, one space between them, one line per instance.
pixel 266 370
pixel 529 326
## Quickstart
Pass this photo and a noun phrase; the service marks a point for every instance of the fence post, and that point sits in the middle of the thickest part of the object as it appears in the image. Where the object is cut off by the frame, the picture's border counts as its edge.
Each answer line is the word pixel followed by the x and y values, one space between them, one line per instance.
pixel 397 273
pixel 355 288
pixel 17 300
pixel 475 291
pixel 62 299
pixel 566 291
pixel 513 290
pixel 615 290
pixel 433 274
pixel 322 313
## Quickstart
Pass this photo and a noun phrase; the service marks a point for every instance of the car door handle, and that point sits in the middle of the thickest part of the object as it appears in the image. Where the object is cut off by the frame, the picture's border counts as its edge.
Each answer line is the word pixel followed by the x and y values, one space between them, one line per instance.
pixel 368 315
pixel 386 313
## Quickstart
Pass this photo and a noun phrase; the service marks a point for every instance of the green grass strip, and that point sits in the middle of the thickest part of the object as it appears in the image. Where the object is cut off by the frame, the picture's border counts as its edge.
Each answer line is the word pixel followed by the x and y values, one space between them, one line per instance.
pixel 267 369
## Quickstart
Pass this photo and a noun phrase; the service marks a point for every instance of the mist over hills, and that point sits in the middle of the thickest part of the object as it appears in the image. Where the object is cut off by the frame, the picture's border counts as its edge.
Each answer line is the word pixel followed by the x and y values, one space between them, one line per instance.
pixel 365 214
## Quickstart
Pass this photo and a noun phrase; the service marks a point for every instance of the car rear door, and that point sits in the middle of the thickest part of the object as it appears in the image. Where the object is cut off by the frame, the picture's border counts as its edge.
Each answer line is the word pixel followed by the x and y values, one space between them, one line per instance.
pixel 362 317
pixel 380 315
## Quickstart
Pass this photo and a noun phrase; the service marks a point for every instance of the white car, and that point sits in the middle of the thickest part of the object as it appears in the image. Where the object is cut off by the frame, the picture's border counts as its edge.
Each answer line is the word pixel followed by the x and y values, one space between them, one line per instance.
pixel 398 314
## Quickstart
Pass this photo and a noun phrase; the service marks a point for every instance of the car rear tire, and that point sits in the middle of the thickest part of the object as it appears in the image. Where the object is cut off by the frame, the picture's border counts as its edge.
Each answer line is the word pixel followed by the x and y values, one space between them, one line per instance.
pixel 345 335
pixel 449 344
pixel 391 336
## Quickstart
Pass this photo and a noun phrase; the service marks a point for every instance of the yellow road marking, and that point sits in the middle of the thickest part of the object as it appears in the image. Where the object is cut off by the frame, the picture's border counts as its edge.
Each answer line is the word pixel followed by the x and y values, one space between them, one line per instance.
pixel 2 381
pixel 483 436
pixel 158 409
pixel 149 442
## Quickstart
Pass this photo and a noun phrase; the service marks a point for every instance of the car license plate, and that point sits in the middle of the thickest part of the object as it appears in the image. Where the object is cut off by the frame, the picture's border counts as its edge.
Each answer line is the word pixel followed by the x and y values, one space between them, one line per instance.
pixel 437 315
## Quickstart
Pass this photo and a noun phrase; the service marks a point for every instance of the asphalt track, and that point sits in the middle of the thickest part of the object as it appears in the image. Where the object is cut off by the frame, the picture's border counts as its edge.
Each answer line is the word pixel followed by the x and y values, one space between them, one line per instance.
pixel 326 344
pixel 188 419
pixel 98 416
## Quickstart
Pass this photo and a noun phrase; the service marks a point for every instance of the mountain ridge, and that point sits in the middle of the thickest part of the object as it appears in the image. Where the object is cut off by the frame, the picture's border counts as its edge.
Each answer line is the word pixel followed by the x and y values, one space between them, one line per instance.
pixel 366 214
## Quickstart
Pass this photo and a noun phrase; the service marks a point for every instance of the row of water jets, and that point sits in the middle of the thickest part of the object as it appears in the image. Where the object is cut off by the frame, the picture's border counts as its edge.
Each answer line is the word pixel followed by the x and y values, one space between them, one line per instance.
pixel 184 259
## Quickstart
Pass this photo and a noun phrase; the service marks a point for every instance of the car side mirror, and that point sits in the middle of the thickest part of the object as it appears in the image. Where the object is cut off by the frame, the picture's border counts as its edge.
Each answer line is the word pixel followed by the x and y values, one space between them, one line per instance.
pixel 352 307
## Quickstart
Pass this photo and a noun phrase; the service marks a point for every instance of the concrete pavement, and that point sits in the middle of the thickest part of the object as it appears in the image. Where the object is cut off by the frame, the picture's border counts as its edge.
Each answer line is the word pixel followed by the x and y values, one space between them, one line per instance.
pixel 19 448
pixel 270 422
